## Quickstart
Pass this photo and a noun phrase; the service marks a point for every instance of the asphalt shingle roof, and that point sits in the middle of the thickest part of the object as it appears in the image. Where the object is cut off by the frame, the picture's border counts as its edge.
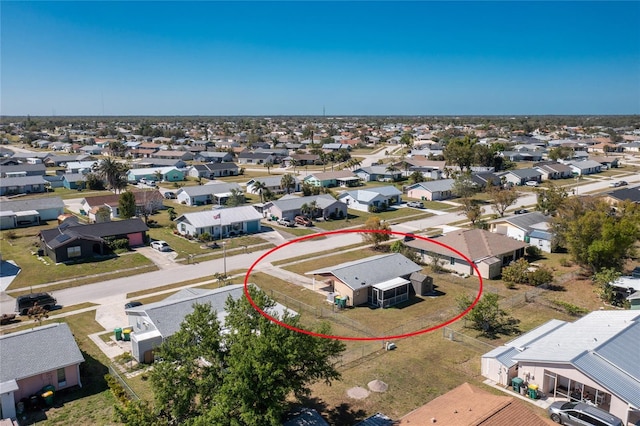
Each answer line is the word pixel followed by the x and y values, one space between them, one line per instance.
pixel 227 216
pixel 32 204
pixel 36 351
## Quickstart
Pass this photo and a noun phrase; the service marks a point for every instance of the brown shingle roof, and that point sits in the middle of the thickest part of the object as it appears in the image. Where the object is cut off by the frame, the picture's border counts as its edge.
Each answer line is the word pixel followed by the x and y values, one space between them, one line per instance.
pixel 476 244
pixel 468 405
pixel 113 199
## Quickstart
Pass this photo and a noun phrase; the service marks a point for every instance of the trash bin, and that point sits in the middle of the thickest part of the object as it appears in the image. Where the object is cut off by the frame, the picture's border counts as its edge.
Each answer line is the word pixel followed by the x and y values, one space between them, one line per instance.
pixel 118 333
pixel 48 398
pixel 20 407
pixel 516 382
pixel 533 391
pixel 49 388
pixel 126 334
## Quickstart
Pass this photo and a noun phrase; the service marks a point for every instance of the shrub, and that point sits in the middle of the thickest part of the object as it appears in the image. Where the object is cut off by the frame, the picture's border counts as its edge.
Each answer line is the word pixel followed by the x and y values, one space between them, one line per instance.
pixel 118 244
pixel 11 235
pixel 516 272
pixel 565 262
pixel 116 388
pixel 533 252
pixel 571 309
pixel 539 277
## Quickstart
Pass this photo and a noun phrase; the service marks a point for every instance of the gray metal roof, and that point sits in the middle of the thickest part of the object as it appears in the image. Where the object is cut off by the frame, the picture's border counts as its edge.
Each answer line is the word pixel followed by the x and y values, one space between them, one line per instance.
pixel 377 419
pixel 526 173
pixel 619 352
pixel 365 195
pixel 37 351
pixel 32 204
pixel 371 270
pixel 227 216
pixel 23 180
pixel 624 385
pixel 307 417
pixel 586 334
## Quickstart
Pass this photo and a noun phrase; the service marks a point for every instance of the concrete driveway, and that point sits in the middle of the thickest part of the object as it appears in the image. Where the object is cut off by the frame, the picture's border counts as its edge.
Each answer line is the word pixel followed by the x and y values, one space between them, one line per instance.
pixel 162 259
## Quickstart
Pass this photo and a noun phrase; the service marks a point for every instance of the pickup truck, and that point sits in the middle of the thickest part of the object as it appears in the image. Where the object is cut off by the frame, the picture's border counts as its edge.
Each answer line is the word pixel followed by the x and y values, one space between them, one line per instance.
pixel 285 222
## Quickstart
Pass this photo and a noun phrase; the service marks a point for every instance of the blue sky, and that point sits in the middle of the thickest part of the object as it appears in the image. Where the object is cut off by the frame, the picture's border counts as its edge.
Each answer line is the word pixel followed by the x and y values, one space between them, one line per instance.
pixel 296 58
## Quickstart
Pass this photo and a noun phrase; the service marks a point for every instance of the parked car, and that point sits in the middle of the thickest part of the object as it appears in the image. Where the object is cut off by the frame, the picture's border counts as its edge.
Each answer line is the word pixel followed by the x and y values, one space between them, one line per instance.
pixel 578 413
pixel 416 204
pixel 27 301
pixel 623 183
pixel 160 245
pixel 532 183
pixel 521 211
pixel 132 304
pixel 409 236
pixel 303 220
pixel 285 222
pixel 170 195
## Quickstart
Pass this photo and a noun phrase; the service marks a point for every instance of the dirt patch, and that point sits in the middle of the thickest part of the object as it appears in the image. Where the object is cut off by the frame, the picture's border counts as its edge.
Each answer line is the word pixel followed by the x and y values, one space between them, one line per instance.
pixel 377 386
pixel 358 393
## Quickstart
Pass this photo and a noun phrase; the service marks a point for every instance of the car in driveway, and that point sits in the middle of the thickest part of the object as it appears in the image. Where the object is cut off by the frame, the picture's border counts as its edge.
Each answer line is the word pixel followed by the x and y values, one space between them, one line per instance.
pixel 581 414
pixel 532 183
pixel 169 195
pixel 160 245
pixel 303 220
pixel 285 222
pixel 416 204
pixel 132 304
pixel 521 211
pixel 618 184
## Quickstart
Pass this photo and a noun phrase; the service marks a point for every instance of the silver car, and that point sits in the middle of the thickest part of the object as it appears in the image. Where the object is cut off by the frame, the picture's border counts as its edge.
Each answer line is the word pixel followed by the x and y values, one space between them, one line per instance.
pixel 581 414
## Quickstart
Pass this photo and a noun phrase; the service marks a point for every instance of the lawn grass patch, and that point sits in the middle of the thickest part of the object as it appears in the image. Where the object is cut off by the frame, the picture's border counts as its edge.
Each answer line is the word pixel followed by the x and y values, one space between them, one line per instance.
pixel 322 262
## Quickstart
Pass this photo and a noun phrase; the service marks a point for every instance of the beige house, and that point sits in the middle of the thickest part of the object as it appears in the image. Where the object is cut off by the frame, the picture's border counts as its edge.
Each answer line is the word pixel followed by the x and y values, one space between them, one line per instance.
pixel 488 251
pixel 380 281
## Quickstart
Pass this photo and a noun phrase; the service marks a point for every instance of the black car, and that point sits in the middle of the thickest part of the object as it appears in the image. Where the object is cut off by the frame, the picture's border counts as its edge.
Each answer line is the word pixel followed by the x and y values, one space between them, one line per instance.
pixel 409 236
pixel 521 211
pixel 28 301
pixel 132 304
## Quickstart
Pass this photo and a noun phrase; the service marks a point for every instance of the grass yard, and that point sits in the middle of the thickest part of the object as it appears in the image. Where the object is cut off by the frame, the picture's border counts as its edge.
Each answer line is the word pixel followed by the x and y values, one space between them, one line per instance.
pixel 310 265
pixel 358 218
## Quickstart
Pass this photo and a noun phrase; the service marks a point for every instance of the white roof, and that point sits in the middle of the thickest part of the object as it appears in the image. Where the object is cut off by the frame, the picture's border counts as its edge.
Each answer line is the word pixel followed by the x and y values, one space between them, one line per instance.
pixel 151 170
pixel 392 283
pixel 227 216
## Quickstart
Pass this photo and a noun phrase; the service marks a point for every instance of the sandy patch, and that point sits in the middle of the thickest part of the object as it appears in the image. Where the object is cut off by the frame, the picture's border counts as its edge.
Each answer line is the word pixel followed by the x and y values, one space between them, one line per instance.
pixel 358 393
pixel 377 386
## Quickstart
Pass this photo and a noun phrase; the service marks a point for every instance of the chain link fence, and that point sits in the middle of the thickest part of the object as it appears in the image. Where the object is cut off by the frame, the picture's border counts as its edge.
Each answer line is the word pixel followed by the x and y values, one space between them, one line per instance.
pixel 114 372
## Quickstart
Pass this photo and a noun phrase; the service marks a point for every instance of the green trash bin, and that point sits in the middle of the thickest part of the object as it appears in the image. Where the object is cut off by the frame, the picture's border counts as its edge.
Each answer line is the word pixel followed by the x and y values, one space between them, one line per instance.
pixel 118 333
pixel 126 334
pixel 49 388
pixel 516 383
pixel 533 391
pixel 48 398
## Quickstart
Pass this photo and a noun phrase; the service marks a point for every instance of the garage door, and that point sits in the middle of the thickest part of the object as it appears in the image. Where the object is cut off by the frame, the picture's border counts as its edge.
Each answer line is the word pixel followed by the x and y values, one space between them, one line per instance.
pixel 135 239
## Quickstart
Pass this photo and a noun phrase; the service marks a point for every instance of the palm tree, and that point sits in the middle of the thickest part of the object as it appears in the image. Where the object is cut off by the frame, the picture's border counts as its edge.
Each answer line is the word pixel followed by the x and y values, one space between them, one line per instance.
pixel 392 169
pixel 305 209
pixel 313 207
pixel 268 165
pixel 287 182
pixel 157 175
pixel 112 172
pixel 293 162
pixel 259 188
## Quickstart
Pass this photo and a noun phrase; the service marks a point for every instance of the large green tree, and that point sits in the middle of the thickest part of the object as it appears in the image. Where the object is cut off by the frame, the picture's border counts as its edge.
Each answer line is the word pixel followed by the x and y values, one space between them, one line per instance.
pixel 502 199
pixel 127 205
pixel 113 172
pixel 287 182
pixel 550 199
pixel 460 152
pixel 487 316
pixel 596 235
pixel 246 375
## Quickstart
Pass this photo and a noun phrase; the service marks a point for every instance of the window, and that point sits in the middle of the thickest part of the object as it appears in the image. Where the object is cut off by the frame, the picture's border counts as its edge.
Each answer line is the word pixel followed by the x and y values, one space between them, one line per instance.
pixel 452 261
pixel 62 377
pixel 74 251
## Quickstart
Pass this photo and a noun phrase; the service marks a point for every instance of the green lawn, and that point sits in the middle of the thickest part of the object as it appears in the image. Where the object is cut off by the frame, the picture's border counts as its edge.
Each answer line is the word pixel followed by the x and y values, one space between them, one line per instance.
pixel 18 245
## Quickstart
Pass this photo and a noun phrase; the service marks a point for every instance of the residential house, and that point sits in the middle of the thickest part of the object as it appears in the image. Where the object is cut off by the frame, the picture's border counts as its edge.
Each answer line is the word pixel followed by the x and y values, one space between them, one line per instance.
pixel 594 359
pixel 521 226
pixel 174 155
pixel 54 181
pixel 213 170
pixel 431 190
pixel 160 163
pixel 606 162
pixel 289 207
pixel 488 251
pixel 247 157
pixel 343 178
pixel 214 157
pixel 468 405
pixel 379 281
pixel 154 322
pixel 23 169
pixel 554 170
pixel 302 159
pixel 272 183
pixel 211 193
pixel 91 149
pixel 73 180
pixel 486 179
pixel 378 173
pixel 62 160
pixel 146 201
pixel 521 176
pixel 585 167
pixel 336 146
pixel 168 174
pixel 22 185
pixel 633 146
pixel 220 223
pixel 305 417
pixel 83 167
pixel 371 199
pixel 623 194
pixel 68 242
pixel 35 358
pixel 29 212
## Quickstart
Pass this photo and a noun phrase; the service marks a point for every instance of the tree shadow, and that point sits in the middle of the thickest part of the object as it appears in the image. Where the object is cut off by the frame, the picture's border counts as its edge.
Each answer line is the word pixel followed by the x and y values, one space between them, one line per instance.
pixel 342 414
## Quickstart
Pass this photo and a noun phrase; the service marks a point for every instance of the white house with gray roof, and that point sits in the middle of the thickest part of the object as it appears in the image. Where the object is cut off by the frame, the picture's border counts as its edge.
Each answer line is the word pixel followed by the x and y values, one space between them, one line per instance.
pixel 220 223
pixel 29 212
pixel 290 206
pixel 585 167
pixel 521 176
pixel 35 358
pixel 377 198
pixel 210 193
pixel 153 323
pixel 595 359
pixel 520 227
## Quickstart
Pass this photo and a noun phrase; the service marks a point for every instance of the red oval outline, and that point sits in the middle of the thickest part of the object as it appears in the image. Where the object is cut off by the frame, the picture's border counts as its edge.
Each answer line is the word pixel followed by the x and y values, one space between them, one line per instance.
pixel 358 231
